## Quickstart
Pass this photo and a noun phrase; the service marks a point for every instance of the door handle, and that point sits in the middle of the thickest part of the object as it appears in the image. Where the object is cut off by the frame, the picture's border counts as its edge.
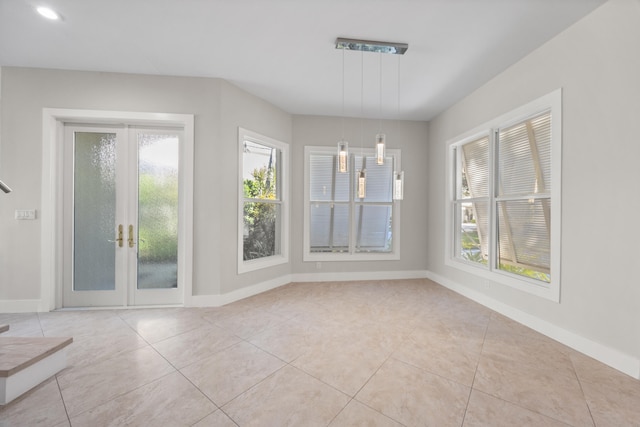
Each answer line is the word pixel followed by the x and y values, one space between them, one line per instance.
pixel 131 242
pixel 120 238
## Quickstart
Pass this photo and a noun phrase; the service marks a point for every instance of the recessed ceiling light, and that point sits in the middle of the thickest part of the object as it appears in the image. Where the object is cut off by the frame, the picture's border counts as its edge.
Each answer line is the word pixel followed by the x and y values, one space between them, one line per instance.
pixel 48 13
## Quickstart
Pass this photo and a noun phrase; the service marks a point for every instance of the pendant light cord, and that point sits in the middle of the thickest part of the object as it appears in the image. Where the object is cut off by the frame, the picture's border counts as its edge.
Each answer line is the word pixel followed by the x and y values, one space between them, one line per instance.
pixel 362 104
pixel 380 107
pixel 343 78
pixel 397 107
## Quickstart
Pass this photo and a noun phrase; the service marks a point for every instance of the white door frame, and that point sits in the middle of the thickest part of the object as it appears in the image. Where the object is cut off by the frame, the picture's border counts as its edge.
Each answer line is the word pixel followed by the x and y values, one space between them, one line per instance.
pixel 51 248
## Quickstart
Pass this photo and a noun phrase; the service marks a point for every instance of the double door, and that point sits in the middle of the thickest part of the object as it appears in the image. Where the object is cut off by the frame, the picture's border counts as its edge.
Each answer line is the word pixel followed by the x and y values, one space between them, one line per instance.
pixel 121 215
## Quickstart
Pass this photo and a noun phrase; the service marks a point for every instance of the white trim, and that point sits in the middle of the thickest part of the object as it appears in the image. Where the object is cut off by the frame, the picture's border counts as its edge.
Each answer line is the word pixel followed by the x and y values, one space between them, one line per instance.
pixel 283 180
pixel 51 250
pixel 222 299
pixel 248 291
pixel 625 363
pixel 359 275
pixel 551 291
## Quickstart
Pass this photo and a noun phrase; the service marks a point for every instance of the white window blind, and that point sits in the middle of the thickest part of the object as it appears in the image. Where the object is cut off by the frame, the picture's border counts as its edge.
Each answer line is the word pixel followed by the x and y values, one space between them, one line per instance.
pixel 337 221
pixel 475 169
pixel 504 214
pixel 472 231
pixel 519 204
pixel 524 193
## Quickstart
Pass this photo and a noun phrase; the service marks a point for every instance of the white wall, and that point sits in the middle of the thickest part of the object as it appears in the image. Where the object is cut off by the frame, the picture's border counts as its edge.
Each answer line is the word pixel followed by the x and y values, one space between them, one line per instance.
pixel 596 62
pixel 219 109
pixel 242 109
pixel 411 138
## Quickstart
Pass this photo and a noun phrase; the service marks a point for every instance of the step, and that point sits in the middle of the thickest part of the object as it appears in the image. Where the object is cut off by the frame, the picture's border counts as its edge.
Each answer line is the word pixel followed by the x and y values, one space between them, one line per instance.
pixel 25 362
pixel 4 328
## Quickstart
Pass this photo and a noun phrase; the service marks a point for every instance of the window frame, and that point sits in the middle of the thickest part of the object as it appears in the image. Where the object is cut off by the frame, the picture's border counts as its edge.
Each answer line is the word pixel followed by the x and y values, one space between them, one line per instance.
pixel 350 254
pixel 551 102
pixel 282 179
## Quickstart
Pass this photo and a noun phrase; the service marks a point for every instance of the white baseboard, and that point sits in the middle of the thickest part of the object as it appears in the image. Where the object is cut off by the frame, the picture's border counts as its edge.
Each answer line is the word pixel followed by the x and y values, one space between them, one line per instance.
pixel 26 306
pixel 21 306
pixel 218 300
pixel 609 356
pixel 361 275
pixel 248 291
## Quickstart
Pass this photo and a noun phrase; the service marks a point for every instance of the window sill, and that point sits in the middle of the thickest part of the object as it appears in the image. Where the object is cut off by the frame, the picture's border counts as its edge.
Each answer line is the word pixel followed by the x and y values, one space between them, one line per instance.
pixel 549 291
pixel 260 263
pixel 344 256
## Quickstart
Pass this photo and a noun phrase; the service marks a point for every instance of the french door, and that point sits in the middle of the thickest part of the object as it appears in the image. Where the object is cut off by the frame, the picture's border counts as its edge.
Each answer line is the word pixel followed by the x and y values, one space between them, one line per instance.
pixel 121 214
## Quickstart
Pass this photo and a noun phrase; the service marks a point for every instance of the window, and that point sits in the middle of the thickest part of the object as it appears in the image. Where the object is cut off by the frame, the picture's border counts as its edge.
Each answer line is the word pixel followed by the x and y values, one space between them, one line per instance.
pixel 263 224
pixel 340 226
pixel 504 207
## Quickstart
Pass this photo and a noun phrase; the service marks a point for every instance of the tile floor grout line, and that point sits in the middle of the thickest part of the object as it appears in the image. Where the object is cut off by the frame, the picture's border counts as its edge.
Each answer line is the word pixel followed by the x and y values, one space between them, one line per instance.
pixel 40 324
pixel 374 374
pixel 267 351
pixel 229 416
pixel 575 373
pixel 367 382
pixel 499 397
pixel 475 372
pixel 209 414
pixel 318 379
pixel 252 387
pixel 66 411
pixel 218 408
pixel 340 411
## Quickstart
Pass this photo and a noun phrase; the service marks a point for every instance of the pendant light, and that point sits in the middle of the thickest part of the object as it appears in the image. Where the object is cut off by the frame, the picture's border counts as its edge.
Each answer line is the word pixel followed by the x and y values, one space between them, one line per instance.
pixel 343 156
pixel 343 145
pixel 362 173
pixel 380 141
pixel 398 176
pixel 380 137
pixel 398 185
pixel 362 184
pixel 380 148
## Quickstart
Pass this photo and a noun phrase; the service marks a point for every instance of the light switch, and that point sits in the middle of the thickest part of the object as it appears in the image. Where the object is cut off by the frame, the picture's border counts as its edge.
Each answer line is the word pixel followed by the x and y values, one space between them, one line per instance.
pixel 26 214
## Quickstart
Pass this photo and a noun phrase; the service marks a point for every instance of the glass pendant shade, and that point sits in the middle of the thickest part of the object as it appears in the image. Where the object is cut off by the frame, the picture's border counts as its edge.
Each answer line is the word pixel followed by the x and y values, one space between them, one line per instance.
pixel 398 185
pixel 343 156
pixel 380 147
pixel 362 184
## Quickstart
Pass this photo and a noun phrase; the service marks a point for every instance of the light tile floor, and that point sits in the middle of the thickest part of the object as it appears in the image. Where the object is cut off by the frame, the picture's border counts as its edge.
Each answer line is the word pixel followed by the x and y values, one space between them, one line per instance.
pixel 383 353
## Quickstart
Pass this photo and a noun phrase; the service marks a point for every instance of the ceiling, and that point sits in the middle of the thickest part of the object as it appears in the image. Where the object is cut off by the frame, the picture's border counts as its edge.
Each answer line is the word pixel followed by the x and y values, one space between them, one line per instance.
pixel 283 50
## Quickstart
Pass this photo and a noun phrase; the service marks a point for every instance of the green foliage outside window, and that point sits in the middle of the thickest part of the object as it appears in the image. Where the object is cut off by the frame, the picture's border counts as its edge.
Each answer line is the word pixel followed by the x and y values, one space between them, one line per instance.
pixel 260 218
pixel 158 200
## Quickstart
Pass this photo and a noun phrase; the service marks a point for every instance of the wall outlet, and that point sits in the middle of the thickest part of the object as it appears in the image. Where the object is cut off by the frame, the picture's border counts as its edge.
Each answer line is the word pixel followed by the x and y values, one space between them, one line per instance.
pixel 25 214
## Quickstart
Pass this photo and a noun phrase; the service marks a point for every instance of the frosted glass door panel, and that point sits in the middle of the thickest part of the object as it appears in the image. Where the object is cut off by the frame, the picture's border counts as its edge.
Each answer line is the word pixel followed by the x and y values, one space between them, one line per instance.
pixel 94 222
pixel 157 211
pixel 127 179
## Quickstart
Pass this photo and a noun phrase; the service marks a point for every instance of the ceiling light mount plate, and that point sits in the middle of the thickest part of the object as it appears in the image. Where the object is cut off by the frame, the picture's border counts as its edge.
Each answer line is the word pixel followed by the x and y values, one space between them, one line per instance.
pixel 371 46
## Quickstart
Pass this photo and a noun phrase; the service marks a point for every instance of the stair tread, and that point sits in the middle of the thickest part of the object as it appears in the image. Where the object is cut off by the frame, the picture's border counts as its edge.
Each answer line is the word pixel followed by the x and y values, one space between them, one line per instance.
pixel 18 353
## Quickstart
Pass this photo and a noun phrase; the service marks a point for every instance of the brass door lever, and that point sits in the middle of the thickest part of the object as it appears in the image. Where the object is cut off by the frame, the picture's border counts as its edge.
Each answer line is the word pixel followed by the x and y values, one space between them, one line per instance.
pixel 131 242
pixel 120 238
